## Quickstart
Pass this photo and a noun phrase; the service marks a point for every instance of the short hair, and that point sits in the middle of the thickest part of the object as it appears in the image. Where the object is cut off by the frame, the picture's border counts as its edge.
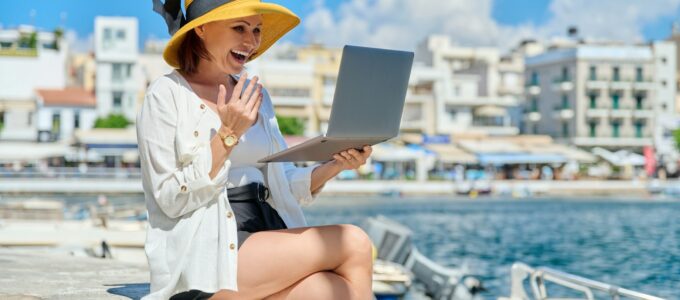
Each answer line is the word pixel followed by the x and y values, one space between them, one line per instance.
pixel 191 51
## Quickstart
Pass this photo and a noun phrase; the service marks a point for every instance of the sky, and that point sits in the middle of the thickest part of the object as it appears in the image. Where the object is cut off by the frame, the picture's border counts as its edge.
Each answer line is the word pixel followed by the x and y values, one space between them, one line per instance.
pixel 390 23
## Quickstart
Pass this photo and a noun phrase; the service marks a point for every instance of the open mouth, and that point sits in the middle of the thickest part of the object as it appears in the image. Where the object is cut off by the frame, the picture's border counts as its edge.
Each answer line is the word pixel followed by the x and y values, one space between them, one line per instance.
pixel 239 56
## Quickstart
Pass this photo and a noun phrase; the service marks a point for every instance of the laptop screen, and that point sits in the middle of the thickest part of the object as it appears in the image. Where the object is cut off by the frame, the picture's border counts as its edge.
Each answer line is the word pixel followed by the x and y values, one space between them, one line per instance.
pixel 370 92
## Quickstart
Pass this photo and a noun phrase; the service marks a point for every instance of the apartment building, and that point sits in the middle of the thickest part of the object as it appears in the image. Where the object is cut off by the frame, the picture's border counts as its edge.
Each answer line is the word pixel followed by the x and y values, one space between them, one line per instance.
pixel 482 90
pixel 29 59
pixel 601 95
pixel 118 75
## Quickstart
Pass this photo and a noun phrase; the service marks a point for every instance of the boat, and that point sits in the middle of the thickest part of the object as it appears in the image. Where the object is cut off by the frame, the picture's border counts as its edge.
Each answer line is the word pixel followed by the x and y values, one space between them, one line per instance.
pixel 395 248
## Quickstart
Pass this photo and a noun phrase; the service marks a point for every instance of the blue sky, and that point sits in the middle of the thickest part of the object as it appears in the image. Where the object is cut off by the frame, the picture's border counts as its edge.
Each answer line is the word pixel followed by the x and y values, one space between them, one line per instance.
pixel 649 20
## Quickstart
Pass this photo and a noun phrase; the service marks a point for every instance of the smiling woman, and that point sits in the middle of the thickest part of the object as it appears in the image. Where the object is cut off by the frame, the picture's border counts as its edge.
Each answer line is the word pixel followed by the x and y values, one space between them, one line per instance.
pixel 211 205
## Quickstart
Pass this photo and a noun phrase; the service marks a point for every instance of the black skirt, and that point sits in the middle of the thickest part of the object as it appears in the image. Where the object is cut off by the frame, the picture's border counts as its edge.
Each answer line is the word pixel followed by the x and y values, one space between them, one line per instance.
pixel 253 213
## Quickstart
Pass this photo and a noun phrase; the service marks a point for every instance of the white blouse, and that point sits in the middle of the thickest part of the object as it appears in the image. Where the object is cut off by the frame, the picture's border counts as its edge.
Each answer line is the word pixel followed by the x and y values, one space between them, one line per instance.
pixel 252 146
pixel 191 240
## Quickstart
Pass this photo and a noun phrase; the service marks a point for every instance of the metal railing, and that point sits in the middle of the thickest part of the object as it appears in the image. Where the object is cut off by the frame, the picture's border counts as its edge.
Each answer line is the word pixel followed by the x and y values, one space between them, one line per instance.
pixel 73 173
pixel 539 276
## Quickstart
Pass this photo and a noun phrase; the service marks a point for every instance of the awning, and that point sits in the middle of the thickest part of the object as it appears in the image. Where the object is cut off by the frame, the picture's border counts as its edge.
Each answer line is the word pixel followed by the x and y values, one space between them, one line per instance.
pixel 490 111
pixel 10 151
pixel 451 154
pixel 102 137
pixel 387 152
pixel 520 158
pixel 620 158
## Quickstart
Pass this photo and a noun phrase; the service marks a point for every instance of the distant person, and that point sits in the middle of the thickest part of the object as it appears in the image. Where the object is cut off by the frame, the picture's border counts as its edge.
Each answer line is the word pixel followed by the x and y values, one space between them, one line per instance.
pixel 211 206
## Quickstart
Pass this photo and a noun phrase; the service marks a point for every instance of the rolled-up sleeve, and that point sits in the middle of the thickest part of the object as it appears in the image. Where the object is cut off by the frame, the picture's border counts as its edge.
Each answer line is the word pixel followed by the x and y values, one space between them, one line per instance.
pixel 180 182
pixel 300 180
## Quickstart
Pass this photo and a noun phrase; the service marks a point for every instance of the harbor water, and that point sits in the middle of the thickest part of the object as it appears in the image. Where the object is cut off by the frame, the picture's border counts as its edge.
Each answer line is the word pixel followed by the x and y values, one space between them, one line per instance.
pixel 633 243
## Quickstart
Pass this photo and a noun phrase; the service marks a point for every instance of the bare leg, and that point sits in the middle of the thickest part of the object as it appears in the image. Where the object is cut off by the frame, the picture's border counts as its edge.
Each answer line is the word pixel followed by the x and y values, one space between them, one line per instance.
pixel 272 262
pixel 321 285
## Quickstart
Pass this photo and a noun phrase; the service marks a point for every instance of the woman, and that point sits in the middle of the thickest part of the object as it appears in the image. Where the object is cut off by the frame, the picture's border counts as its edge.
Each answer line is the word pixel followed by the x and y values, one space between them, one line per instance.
pixel 211 206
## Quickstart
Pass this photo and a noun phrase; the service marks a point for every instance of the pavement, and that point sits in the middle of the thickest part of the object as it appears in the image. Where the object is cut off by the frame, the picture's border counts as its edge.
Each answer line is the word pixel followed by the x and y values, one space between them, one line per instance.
pixel 43 274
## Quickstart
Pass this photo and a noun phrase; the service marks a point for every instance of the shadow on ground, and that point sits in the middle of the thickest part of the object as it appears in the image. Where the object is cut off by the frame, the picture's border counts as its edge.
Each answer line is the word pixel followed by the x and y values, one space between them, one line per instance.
pixel 134 291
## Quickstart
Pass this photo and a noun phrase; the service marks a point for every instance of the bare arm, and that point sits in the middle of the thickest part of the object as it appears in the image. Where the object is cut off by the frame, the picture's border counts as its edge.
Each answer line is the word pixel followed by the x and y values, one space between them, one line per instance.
pixel 345 160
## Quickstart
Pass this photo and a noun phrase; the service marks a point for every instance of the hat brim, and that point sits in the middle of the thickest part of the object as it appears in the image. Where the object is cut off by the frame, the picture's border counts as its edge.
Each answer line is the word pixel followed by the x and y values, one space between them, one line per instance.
pixel 276 21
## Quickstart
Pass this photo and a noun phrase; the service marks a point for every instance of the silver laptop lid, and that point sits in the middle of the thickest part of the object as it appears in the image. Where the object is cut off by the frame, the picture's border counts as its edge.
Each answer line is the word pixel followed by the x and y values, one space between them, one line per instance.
pixel 370 92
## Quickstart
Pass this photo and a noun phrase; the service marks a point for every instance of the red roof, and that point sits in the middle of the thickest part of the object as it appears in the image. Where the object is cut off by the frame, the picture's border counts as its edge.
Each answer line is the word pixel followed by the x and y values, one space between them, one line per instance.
pixel 67 97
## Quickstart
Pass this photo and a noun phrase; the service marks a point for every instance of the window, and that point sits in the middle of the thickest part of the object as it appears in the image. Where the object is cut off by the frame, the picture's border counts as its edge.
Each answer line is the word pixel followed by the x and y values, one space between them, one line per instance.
pixel 592 74
pixel 534 104
pixel 535 129
pixel 108 36
pixel 128 71
pixel 638 74
pixel 593 129
pixel 593 100
pixel 120 34
pixel 76 119
pixel 117 100
pixel 565 129
pixel 615 100
pixel 663 60
pixel 117 72
pixel 451 112
pixel 638 101
pixel 638 129
pixel 616 129
pixel 565 101
pixel 56 123
pixel 565 74
pixel 534 78
pixel 615 74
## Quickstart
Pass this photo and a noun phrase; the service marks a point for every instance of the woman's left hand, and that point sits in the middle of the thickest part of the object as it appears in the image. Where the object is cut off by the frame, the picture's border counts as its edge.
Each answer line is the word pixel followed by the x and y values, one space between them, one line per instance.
pixel 351 159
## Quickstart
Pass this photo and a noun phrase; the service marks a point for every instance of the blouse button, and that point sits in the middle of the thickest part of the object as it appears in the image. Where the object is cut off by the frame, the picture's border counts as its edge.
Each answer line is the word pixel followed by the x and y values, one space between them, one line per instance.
pixel 202 106
pixel 232 246
pixel 196 133
pixel 183 188
pixel 229 214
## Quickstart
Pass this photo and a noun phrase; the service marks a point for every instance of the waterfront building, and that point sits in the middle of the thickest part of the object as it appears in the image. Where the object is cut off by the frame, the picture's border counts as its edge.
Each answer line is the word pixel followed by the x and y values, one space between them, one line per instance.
pixel 118 76
pixel 483 90
pixel 601 95
pixel 59 112
pixel 29 59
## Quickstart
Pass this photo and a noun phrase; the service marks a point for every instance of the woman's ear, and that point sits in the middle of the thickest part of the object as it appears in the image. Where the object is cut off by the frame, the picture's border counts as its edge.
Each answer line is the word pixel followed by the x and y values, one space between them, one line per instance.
pixel 200 31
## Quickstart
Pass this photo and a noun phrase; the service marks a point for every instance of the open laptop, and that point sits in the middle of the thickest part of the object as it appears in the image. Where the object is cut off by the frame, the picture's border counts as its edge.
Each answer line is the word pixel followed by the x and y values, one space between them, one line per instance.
pixel 367 105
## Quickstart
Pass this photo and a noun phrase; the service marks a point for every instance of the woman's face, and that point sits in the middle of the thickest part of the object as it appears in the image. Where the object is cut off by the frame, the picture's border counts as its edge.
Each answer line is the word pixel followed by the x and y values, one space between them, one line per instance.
pixel 231 42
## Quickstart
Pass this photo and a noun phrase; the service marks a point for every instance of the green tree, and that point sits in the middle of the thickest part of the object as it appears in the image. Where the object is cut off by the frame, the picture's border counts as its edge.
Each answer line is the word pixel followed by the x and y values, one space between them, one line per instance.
pixel 291 125
pixel 676 135
pixel 58 34
pixel 112 121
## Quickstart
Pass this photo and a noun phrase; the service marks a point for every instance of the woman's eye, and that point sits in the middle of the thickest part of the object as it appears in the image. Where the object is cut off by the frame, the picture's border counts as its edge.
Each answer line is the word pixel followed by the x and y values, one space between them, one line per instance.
pixel 257 30
pixel 239 28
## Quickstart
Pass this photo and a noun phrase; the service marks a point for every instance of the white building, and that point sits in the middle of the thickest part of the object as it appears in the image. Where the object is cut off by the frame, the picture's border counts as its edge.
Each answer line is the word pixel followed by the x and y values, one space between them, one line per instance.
pixel 602 95
pixel 29 59
pixel 118 75
pixel 480 93
pixel 62 111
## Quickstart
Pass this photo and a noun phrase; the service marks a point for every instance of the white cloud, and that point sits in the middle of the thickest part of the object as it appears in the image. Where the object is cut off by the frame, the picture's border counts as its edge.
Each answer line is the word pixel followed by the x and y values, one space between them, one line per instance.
pixel 79 44
pixel 404 23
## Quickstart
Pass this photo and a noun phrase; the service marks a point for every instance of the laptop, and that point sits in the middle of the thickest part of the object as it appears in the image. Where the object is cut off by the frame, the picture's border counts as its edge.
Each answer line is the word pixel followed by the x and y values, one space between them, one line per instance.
pixel 367 104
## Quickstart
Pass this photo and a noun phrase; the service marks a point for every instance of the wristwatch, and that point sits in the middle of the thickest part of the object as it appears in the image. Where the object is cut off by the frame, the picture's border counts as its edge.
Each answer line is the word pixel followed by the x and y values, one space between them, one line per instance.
pixel 229 140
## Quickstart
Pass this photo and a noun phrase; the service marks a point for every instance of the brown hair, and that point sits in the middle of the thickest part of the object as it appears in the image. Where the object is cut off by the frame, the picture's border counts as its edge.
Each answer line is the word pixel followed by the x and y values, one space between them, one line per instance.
pixel 190 53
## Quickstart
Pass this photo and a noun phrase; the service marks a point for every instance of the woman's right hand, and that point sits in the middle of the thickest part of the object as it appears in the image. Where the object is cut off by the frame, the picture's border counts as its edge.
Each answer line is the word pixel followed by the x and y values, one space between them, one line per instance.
pixel 240 112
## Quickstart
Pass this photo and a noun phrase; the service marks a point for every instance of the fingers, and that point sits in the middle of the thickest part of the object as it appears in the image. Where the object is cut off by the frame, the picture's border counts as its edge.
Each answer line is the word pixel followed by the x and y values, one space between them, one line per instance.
pixel 253 98
pixel 236 94
pixel 221 96
pixel 256 107
pixel 248 93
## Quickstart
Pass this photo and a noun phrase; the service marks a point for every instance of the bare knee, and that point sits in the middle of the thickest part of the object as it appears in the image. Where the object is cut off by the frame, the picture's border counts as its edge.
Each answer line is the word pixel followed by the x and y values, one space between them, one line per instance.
pixel 356 242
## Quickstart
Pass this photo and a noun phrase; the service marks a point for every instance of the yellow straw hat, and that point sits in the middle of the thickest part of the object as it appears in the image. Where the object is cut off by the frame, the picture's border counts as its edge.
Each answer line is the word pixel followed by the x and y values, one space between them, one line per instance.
pixel 276 20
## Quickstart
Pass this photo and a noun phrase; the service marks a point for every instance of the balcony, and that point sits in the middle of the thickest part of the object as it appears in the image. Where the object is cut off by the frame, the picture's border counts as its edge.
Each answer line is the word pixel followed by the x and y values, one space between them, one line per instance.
pixel 595 113
pixel 533 116
pixel 643 114
pixel 563 84
pixel 532 88
pixel 621 84
pixel 597 83
pixel 563 114
pixel 644 84
pixel 603 141
pixel 621 113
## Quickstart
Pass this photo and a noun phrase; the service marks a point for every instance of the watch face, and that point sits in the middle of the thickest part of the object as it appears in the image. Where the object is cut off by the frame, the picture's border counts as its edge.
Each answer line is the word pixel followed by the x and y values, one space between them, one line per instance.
pixel 230 140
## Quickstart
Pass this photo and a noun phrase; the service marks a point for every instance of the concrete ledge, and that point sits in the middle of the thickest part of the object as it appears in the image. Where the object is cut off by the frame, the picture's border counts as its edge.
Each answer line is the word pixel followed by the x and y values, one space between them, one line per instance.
pixel 48 275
